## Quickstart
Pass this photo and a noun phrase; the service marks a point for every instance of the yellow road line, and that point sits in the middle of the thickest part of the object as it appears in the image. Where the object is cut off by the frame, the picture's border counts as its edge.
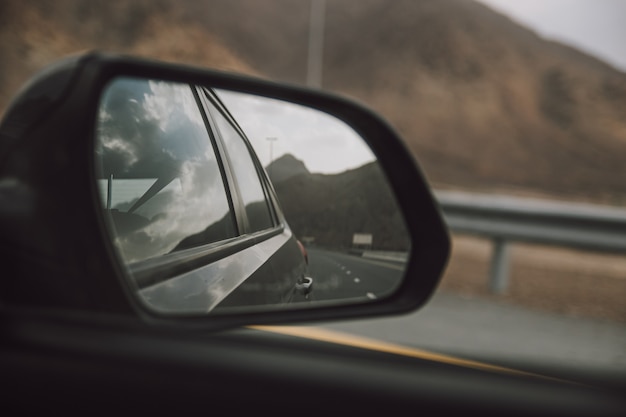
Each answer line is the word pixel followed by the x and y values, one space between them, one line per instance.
pixel 321 334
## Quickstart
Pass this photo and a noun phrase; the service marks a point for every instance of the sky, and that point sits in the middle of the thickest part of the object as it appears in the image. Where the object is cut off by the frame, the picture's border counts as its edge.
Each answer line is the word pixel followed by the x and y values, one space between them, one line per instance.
pixel 324 143
pixel 597 27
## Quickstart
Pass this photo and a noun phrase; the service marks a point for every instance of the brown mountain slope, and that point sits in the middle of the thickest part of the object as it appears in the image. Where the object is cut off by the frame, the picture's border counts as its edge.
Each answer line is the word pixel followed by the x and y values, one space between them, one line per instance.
pixel 35 33
pixel 484 103
pixel 332 208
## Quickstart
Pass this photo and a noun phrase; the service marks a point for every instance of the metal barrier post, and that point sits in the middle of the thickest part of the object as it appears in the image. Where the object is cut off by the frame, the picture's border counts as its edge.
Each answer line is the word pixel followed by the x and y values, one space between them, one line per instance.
pixel 507 219
pixel 499 274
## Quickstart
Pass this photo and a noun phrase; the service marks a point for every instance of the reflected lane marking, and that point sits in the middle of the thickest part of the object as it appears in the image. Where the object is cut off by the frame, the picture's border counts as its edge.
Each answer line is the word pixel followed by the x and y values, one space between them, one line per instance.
pixel 385 264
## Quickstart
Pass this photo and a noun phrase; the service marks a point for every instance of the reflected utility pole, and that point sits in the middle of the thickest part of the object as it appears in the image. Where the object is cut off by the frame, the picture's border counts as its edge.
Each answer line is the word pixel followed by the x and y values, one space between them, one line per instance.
pixel 271 141
pixel 316 44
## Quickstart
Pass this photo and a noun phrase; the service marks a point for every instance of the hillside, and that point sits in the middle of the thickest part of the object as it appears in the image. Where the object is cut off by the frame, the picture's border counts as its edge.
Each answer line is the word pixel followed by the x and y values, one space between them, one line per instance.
pixel 285 167
pixel 332 208
pixel 484 104
pixel 35 33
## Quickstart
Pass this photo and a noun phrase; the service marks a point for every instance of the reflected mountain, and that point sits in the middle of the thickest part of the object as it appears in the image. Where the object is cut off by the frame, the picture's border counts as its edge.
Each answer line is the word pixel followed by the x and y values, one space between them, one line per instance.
pixel 328 209
pixel 285 167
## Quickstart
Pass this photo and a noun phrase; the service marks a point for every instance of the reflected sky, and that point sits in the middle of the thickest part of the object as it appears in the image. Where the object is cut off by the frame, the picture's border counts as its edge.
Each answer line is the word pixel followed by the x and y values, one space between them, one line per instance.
pixel 324 143
pixel 151 134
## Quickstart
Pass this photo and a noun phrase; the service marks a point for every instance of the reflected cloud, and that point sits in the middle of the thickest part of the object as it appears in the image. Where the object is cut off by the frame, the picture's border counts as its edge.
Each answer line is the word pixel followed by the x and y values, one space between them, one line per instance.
pixel 153 133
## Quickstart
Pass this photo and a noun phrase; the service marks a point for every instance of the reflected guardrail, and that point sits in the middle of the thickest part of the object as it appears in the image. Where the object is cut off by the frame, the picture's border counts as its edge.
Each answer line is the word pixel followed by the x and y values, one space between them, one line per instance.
pixel 385 256
pixel 505 219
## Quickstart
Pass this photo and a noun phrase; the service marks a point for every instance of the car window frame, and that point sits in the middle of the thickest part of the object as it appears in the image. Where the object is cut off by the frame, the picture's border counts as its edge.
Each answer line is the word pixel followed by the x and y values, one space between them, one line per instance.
pixel 161 268
pixel 155 270
pixel 268 195
pixel 158 269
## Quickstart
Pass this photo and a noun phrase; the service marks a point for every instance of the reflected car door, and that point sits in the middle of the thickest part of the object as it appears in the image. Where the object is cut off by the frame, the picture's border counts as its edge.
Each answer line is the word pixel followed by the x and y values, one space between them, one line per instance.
pixel 187 203
pixel 259 217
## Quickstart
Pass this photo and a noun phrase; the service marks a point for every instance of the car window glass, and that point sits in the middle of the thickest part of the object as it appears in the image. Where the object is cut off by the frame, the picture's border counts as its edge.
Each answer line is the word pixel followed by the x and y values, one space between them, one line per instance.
pixel 246 174
pixel 160 180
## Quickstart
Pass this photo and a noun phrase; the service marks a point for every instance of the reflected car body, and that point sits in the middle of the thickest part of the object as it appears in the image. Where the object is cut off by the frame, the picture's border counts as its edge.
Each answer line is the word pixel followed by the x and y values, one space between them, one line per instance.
pixel 180 181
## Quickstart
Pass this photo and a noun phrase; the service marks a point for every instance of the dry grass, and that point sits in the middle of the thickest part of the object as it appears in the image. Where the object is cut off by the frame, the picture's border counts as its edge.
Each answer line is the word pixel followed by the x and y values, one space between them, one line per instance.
pixel 551 279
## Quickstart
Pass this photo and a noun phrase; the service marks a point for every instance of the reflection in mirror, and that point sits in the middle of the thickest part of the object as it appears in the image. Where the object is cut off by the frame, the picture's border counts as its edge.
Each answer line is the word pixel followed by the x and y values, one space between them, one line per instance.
pixel 218 201
pixel 159 177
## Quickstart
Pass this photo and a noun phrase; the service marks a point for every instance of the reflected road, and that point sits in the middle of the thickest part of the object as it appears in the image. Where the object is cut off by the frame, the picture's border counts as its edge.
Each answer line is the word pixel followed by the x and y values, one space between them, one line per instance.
pixel 340 276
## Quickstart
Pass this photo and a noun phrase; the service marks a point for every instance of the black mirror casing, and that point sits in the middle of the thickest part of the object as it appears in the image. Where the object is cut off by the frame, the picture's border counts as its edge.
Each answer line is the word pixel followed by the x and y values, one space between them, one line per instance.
pixel 56 251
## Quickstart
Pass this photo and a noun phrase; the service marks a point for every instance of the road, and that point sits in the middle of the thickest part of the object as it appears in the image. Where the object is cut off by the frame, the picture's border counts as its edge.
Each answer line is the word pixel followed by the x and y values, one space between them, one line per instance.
pixel 500 334
pixel 342 276
pixel 472 328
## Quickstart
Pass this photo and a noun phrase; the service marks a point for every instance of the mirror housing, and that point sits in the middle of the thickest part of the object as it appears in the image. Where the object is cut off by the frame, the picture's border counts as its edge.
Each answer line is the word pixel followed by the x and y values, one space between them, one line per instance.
pixel 55 239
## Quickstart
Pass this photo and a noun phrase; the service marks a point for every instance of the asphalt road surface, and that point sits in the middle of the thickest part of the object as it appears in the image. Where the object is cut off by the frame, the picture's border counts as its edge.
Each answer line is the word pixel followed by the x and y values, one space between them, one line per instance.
pixel 501 334
pixel 342 276
pixel 470 327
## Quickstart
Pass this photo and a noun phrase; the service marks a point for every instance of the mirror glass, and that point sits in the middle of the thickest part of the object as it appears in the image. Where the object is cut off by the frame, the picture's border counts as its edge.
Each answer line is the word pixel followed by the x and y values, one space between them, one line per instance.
pixel 218 201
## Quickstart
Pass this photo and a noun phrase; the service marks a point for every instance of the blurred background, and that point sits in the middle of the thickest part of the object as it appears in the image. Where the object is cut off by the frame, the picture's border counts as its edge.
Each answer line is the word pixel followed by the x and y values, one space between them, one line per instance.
pixel 486 104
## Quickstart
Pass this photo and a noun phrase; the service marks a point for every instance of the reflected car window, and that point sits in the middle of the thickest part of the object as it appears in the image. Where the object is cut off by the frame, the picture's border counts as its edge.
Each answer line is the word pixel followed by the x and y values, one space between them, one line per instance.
pixel 159 176
pixel 250 188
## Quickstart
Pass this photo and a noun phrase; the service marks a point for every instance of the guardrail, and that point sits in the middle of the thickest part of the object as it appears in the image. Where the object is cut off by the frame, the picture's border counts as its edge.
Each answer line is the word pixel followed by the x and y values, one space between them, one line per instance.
pixel 509 219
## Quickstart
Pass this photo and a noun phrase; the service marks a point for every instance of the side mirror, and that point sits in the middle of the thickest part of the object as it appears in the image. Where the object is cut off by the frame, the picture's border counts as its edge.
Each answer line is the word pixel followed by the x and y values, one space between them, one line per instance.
pixel 178 193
